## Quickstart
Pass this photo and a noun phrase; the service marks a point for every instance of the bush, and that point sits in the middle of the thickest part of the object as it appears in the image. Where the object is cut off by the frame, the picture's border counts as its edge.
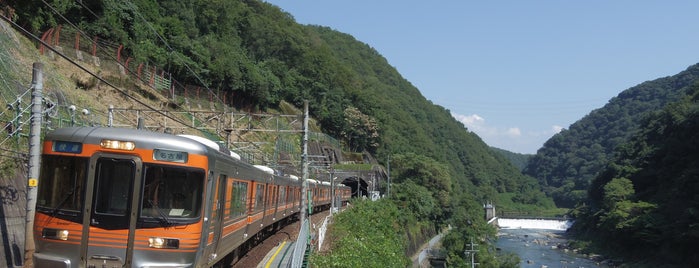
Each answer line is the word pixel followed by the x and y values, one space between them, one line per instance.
pixel 366 235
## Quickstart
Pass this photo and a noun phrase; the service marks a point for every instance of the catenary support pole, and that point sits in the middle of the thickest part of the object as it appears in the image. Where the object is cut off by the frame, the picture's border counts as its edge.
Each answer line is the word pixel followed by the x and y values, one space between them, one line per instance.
pixel 304 163
pixel 332 191
pixel 388 187
pixel 34 155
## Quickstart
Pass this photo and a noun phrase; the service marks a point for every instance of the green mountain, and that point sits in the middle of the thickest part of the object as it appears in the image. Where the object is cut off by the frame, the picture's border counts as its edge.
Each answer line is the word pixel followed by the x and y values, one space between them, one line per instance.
pixel 260 56
pixel 256 57
pixel 644 205
pixel 519 160
pixel 568 162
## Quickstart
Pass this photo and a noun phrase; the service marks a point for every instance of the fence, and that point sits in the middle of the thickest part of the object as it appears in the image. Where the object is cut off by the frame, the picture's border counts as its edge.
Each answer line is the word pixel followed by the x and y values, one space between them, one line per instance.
pixel 114 58
pixel 301 246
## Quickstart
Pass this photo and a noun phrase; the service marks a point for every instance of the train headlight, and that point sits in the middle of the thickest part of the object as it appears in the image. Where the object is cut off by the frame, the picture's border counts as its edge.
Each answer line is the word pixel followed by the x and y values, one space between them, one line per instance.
pixel 118 145
pixel 160 242
pixel 56 234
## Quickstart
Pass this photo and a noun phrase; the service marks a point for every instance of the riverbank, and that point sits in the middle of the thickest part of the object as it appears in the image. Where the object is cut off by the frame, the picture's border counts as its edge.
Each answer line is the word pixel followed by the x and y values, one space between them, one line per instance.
pixel 420 258
pixel 544 248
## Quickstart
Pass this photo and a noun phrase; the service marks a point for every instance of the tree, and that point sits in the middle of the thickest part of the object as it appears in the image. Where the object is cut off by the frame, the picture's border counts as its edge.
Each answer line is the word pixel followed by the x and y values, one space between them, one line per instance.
pixel 617 190
pixel 415 199
pixel 360 131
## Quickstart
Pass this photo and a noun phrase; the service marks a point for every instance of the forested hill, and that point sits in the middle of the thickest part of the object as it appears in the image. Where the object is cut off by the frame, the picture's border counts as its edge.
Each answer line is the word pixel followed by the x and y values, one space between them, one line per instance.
pixel 568 161
pixel 519 160
pixel 259 55
pixel 643 207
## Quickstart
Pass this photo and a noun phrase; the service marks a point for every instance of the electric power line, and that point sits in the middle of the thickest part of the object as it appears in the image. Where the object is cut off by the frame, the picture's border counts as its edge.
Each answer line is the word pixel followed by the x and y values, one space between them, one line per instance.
pixel 103 49
pixel 203 122
pixel 171 49
pixel 27 33
pixel 134 8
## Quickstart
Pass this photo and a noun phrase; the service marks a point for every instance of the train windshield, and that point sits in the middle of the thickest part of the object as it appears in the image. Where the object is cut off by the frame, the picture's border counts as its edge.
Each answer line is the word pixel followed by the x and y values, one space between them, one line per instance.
pixel 171 193
pixel 62 186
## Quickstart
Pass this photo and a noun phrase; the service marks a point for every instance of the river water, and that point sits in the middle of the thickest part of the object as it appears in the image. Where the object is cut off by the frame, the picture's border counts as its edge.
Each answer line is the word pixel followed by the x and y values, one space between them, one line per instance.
pixel 537 245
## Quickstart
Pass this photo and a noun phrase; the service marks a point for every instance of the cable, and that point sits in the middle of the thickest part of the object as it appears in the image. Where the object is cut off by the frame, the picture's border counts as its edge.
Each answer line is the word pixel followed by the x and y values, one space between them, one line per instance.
pixel 131 72
pixel 22 158
pixel 171 49
pixel 100 41
pixel 87 8
pixel 134 8
pixel 85 34
pixel 27 33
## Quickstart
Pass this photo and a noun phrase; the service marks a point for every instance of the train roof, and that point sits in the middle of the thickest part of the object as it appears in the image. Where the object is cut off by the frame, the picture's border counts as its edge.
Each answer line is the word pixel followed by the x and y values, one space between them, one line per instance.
pixel 142 138
pixel 266 169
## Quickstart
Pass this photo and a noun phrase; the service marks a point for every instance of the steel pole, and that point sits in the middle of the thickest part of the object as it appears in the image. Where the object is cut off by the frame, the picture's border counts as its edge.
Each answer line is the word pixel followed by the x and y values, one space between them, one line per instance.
pixel 304 160
pixel 34 155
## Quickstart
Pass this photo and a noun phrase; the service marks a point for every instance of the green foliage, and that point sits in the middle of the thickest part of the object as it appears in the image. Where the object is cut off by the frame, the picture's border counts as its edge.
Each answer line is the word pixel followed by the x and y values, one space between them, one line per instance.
pixel 360 131
pixel 572 158
pixel 625 215
pixel 517 159
pixel 417 201
pixel 460 240
pixel 258 55
pixel 617 190
pixel 644 204
pixel 427 180
pixel 367 235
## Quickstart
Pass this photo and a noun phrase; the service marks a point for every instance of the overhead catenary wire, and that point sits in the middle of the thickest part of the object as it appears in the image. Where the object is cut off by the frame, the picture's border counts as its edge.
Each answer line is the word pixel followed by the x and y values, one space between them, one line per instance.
pixel 199 125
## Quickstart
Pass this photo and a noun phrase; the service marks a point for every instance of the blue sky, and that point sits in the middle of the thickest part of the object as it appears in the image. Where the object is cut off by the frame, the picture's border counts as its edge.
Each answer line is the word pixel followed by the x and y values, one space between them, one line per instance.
pixel 516 72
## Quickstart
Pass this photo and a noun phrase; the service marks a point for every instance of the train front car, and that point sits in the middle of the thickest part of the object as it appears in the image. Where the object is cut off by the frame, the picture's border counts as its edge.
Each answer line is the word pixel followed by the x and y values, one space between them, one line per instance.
pixel 112 197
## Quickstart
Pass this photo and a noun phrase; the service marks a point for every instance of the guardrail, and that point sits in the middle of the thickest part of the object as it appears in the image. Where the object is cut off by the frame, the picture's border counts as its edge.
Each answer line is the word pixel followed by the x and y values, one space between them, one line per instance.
pixel 300 247
pixel 322 230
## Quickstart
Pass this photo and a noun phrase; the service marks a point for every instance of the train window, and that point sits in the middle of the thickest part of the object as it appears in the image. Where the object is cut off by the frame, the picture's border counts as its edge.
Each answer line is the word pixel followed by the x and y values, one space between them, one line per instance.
pixel 294 195
pixel 282 195
pixel 113 185
pixel 259 197
pixel 62 184
pixel 270 196
pixel 275 202
pixel 172 192
pixel 240 197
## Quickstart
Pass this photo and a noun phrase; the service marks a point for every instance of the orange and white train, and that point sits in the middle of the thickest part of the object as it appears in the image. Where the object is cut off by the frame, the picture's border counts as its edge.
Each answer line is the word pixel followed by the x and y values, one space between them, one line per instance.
pixel 112 197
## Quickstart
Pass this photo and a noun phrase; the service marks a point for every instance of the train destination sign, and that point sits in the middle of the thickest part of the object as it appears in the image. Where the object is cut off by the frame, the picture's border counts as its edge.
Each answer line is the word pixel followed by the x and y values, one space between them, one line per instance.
pixel 170 156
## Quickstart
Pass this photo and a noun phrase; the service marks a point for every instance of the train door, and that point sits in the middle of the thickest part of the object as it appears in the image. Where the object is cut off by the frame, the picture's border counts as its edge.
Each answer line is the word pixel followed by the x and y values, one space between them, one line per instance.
pixel 216 219
pixel 269 203
pixel 111 208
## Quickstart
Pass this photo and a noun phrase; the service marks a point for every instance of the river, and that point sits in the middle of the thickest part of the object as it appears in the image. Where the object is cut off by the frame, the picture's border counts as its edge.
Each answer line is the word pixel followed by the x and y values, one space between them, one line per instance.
pixel 536 242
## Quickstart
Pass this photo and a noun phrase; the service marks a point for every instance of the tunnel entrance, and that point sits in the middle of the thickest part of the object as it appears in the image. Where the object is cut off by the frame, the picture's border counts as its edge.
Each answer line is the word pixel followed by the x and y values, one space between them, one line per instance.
pixel 358 185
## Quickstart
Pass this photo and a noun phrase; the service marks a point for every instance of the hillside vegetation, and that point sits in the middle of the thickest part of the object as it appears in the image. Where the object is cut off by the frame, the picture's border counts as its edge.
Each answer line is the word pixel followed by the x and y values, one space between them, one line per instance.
pixel 257 57
pixel 568 162
pixel 644 205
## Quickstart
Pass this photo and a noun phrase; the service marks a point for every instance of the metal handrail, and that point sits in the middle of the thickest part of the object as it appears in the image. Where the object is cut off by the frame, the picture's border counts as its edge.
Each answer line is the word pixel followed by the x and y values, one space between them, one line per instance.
pixel 300 246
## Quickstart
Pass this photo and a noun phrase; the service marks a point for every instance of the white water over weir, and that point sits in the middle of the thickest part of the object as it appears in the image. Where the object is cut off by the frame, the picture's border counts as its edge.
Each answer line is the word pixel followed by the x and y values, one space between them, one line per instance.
pixel 544 224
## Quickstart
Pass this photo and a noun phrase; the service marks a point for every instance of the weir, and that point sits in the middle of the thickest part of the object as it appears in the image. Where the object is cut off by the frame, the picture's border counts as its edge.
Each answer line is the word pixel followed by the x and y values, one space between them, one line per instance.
pixel 543 224
pixel 515 222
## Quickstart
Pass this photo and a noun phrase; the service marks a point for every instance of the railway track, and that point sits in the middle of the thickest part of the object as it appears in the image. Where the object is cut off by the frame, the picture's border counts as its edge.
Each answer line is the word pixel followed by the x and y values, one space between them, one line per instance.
pixel 290 232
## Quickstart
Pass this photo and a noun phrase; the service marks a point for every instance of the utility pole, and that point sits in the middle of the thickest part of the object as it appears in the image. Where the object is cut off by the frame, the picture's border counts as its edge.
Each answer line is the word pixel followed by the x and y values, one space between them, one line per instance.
pixel 304 163
pixel 34 155
pixel 388 164
pixel 332 191
pixel 472 253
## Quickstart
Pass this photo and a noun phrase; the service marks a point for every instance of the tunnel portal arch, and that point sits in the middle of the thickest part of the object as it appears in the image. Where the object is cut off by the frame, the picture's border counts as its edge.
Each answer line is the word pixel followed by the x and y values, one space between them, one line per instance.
pixel 358 185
